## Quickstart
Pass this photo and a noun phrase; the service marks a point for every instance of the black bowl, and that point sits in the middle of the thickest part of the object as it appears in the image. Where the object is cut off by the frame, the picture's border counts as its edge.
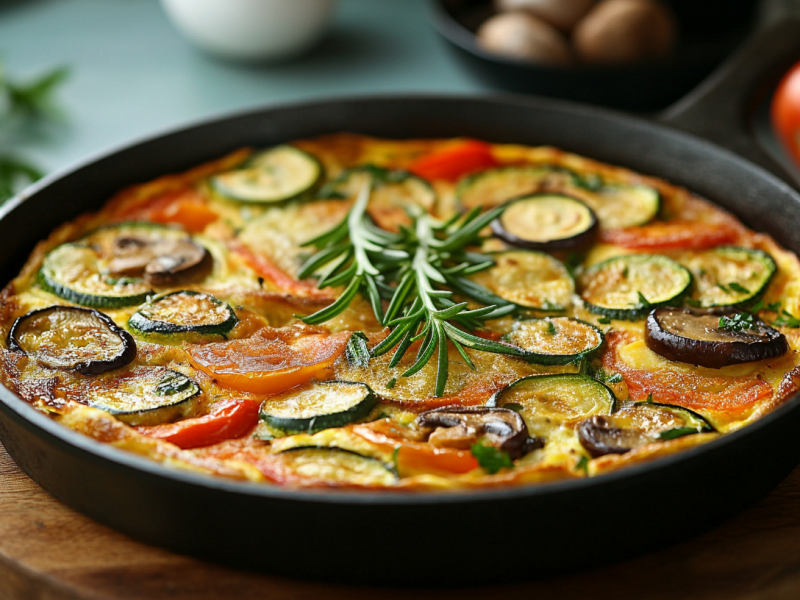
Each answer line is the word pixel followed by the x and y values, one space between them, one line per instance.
pixel 704 44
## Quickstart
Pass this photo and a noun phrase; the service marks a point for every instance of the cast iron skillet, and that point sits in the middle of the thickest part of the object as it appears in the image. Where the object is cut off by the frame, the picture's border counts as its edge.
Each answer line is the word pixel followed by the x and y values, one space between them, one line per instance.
pixel 434 538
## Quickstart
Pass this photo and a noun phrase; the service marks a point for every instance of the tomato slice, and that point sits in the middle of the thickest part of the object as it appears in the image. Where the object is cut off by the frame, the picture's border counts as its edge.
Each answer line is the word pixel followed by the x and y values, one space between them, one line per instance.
pixel 271 361
pixel 675 234
pixel 227 420
pixel 412 457
pixel 278 277
pixel 454 162
pixel 193 216
pixel 691 390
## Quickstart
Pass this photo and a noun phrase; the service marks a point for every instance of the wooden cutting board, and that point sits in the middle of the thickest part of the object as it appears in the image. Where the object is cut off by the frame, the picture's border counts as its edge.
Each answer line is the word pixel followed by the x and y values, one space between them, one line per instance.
pixel 48 552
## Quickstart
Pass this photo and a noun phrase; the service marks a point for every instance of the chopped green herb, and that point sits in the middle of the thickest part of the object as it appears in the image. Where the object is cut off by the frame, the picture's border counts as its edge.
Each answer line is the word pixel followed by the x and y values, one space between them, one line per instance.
pixel 649 398
pixel 395 452
pixel 758 306
pixel 582 465
pixel 172 383
pixel 391 383
pixel 516 407
pixel 724 288
pixel 357 351
pixel 551 328
pixel 787 319
pixel 643 302
pixel 491 459
pixel 736 287
pixel 603 376
pixel 774 307
pixel 604 320
pixel 671 434
pixel 737 322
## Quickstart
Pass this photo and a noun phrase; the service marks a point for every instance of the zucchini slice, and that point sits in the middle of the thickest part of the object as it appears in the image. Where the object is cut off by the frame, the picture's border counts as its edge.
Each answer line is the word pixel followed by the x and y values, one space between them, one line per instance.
pixel 567 397
pixel 147 396
pixel 336 465
pixel 393 191
pixel 72 338
pixel 667 421
pixel 74 272
pixel 184 312
pixel 276 175
pixel 319 406
pixel 628 287
pixel 494 187
pixel 529 279
pixel 547 222
pixel 728 276
pixel 555 340
pixel 620 206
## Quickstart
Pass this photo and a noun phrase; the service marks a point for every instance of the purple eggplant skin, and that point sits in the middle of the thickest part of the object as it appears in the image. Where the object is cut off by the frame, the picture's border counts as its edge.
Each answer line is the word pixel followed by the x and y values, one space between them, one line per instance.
pixel 759 343
pixel 91 367
pixel 580 241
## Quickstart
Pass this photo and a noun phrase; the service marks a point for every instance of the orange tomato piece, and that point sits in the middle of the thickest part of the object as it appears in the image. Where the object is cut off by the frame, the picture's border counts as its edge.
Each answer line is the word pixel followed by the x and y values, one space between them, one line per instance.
pixel 270 361
pixel 454 162
pixel 193 216
pixel 785 112
pixel 227 420
pixel 691 390
pixel 666 235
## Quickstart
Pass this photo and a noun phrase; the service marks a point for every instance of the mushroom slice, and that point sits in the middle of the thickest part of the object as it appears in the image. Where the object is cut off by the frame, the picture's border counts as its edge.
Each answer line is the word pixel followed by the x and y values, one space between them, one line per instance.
pixel 161 261
pixel 601 436
pixel 461 426
pixel 711 338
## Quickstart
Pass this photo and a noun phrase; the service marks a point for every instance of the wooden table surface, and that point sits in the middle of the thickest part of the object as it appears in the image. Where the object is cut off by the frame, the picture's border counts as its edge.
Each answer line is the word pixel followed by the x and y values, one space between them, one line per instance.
pixel 48 552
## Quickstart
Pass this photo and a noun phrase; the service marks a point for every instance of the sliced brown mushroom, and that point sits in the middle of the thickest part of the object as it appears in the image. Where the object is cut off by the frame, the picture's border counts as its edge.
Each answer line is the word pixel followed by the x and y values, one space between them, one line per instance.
pixel 162 262
pixel 461 426
pixel 600 436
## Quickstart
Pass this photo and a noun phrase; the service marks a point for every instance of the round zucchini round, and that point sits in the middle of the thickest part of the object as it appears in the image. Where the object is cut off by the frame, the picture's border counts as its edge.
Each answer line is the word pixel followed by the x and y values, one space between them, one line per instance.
pixel 620 206
pixel 569 397
pixel 555 340
pixel 628 287
pixel 147 396
pixel 529 279
pixel 497 186
pixel 72 338
pixel 547 222
pixel 318 406
pixel 337 466
pixel 184 312
pixel 273 176
pixel 728 276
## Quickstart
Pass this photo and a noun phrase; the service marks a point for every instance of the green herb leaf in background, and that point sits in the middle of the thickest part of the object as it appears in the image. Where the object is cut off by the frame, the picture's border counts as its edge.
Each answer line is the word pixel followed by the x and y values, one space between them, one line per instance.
pixel 491 459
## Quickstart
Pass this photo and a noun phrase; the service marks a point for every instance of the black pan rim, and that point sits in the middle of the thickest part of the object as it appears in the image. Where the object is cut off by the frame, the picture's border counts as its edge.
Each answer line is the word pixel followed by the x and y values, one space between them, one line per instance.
pixel 99 451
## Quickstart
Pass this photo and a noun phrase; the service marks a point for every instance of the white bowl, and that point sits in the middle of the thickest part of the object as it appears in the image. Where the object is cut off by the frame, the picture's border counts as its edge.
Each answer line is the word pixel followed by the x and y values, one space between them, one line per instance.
pixel 251 30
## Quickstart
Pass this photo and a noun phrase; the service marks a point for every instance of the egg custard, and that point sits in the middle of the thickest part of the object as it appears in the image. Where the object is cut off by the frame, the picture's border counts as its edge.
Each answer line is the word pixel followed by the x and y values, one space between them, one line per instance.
pixel 351 312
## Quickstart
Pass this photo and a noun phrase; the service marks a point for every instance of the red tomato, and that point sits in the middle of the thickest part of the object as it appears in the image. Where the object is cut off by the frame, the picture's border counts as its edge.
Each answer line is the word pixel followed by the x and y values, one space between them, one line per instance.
pixel 453 162
pixel 227 420
pixel 785 112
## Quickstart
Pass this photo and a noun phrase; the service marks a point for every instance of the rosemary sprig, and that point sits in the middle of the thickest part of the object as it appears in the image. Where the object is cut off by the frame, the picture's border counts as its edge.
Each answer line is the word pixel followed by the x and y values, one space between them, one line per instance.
pixel 416 272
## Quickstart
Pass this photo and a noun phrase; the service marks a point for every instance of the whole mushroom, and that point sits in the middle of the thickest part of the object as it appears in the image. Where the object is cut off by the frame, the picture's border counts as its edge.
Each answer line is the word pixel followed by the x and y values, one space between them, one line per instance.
pixel 625 31
pixel 563 14
pixel 523 36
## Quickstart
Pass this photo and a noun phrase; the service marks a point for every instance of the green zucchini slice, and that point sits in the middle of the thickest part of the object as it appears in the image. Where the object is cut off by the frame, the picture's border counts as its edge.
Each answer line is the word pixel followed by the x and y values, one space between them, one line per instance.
pixel 555 340
pixel 728 276
pixel 628 287
pixel 620 206
pixel 319 406
pixel 494 187
pixel 667 421
pixel 336 465
pixel 74 272
pixel 393 192
pixel 147 396
pixel 184 312
pixel 529 279
pixel 567 397
pixel 547 222
pixel 72 338
pixel 276 175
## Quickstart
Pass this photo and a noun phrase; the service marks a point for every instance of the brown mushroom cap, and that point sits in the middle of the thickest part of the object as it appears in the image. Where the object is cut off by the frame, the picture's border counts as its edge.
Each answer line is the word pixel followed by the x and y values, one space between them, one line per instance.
pixel 461 426
pixel 600 436
pixel 522 36
pixel 162 262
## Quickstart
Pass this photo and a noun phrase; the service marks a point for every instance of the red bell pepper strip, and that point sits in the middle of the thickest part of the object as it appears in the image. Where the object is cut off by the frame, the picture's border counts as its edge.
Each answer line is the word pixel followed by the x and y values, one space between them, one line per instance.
pixel 455 161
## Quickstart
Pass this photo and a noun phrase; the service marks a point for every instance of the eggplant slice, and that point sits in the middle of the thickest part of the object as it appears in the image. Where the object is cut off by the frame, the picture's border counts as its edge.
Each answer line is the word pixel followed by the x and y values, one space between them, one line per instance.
pixel 697 337
pixel 72 338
